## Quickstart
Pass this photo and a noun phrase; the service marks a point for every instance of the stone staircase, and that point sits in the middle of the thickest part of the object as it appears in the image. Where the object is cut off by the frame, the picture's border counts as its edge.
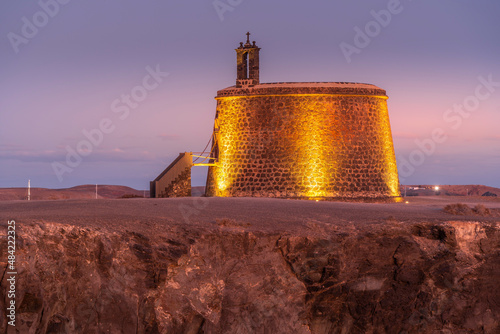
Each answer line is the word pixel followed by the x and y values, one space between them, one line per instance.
pixel 175 180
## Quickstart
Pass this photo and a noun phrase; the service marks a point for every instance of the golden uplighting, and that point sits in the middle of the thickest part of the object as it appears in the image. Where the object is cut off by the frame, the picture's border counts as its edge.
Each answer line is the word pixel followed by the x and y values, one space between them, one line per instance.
pixel 312 148
pixel 311 145
pixel 229 122
pixel 391 172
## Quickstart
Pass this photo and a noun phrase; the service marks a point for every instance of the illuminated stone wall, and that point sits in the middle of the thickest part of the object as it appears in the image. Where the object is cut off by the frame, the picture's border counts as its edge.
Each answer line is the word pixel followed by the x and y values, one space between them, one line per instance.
pixel 304 140
pixel 180 187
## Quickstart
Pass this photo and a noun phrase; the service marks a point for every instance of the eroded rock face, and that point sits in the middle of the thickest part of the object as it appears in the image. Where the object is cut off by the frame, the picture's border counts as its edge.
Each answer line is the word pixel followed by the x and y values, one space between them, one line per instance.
pixel 228 278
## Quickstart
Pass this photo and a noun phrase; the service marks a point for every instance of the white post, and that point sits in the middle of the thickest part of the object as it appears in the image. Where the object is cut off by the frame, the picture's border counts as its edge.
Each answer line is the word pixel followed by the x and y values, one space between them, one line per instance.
pixel 29 190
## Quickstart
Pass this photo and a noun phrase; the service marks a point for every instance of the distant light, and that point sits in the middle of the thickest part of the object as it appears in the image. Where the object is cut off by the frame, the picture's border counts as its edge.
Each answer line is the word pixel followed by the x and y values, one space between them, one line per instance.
pixel 436 188
pixel 407 202
pixel 317 200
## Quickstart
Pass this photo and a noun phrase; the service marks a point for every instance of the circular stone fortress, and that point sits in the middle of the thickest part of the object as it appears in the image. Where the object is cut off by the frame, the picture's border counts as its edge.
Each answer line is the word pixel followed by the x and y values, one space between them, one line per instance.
pixel 301 139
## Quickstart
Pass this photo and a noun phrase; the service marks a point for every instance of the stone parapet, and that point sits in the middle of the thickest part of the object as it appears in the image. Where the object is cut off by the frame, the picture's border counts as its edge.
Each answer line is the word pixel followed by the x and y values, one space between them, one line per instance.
pixel 295 88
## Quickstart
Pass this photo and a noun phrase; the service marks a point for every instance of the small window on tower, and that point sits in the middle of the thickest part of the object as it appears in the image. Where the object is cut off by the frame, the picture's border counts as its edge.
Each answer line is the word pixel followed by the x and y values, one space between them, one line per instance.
pixel 245 62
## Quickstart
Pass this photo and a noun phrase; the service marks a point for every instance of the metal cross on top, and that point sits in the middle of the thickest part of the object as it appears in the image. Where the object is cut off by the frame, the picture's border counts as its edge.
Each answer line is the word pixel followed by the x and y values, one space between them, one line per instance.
pixel 248 37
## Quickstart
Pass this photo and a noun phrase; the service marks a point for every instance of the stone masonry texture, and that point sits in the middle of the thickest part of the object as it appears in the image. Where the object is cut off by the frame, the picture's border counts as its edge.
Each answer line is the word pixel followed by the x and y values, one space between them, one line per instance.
pixel 303 140
pixel 180 187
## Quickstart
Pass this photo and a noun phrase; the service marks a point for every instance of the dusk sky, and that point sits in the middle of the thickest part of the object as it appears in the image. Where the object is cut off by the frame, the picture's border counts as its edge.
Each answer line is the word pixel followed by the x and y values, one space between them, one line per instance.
pixel 65 73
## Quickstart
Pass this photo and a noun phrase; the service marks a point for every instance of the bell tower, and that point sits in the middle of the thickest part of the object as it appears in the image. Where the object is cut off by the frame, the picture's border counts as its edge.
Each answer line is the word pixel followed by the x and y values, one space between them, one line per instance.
pixel 247 58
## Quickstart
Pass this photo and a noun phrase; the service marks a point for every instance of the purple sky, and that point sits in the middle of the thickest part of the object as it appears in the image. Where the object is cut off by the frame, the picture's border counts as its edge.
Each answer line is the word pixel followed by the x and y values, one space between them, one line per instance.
pixel 64 78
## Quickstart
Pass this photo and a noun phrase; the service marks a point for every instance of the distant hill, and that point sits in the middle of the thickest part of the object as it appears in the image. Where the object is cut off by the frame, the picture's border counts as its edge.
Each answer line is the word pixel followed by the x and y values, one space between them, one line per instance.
pixel 451 190
pixel 110 191
pixel 78 192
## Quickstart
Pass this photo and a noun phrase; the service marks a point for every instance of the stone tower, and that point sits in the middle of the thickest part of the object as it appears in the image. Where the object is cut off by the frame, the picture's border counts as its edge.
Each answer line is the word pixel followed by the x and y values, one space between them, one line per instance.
pixel 300 139
pixel 247 59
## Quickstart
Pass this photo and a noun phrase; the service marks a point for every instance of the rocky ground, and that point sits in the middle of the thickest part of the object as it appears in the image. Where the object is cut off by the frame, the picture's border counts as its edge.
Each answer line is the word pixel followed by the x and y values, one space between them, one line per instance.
pixel 239 265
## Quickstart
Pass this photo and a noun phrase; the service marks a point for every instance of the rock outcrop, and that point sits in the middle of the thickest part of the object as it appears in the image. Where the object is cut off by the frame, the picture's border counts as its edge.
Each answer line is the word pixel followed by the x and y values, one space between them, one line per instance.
pixel 228 277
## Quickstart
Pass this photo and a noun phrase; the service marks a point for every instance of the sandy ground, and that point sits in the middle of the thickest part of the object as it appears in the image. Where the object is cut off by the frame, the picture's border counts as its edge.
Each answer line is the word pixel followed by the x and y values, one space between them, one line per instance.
pixel 259 214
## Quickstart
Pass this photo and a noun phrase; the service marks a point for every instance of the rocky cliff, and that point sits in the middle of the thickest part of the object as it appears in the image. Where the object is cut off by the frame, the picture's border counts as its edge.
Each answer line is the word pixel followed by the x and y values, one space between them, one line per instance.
pixel 229 275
